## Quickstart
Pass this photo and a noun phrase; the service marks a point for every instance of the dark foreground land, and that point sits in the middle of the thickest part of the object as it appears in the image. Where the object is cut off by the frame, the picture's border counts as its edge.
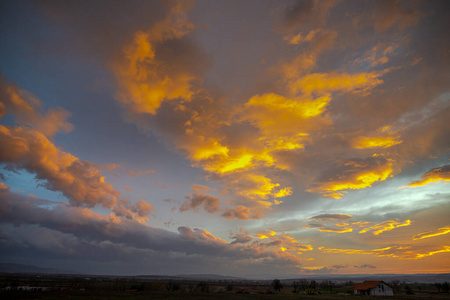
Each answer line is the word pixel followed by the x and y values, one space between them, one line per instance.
pixel 100 295
pixel 44 286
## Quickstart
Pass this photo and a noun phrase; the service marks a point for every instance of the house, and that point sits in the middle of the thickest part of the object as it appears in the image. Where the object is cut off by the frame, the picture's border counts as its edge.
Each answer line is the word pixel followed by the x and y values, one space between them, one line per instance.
pixel 373 288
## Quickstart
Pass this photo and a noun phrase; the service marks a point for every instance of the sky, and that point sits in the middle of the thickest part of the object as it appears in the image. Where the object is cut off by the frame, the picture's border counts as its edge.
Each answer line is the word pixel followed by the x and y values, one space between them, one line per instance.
pixel 243 138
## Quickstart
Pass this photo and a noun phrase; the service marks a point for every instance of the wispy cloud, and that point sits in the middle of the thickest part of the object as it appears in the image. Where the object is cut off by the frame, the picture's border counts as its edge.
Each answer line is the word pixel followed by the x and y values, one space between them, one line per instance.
pixel 385 226
pixel 428 234
pixel 331 217
pixel 402 252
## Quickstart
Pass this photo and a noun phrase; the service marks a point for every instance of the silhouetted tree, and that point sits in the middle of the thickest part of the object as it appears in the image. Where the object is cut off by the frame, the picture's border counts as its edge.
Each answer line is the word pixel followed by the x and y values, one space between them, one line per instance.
pixel 312 286
pixel 331 285
pixel 296 287
pixel 395 285
pixel 172 286
pixel 439 286
pixel 230 287
pixel 277 286
pixel 445 287
pixel 304 284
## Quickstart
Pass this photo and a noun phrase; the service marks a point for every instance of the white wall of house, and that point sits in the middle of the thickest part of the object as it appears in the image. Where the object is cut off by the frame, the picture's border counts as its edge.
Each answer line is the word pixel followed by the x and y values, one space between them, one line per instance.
pixel 382 289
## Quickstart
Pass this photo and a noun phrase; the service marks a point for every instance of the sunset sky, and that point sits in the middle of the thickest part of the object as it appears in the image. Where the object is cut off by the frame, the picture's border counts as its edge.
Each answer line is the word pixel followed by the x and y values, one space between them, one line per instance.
pixel 231 137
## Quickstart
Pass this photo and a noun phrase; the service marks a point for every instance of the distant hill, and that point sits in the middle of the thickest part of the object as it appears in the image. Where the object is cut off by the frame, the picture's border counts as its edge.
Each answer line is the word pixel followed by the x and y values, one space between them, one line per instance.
pixel 209 277
pixel 19 268
pixel 410 278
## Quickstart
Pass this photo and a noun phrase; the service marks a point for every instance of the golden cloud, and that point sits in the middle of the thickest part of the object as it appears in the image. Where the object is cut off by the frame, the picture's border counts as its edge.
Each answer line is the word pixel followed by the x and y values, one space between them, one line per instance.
pixel 433 176
pixel 284 241
pixel 325 83
pixel 277 115
pixel 324 228
pixel 342 228
pixel 265 234
pixel 428 234
pixel 155 89
pixel 385 226
pixel 374 142
pixel 353 175
pixel 383 138
pixel 145 79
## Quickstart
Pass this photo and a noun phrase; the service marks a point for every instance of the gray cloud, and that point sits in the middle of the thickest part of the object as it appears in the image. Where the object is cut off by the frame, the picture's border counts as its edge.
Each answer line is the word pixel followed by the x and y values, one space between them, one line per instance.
pixel 331 217
pixel 58 230
pixel 193 201
pixel 364 266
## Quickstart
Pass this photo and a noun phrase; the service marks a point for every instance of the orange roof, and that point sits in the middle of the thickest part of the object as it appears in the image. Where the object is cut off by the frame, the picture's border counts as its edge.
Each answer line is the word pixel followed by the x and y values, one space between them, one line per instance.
pixel 368 284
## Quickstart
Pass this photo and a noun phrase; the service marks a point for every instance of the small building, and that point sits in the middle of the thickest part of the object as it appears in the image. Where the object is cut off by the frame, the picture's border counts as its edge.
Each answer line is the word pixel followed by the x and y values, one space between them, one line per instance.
pixel 373 288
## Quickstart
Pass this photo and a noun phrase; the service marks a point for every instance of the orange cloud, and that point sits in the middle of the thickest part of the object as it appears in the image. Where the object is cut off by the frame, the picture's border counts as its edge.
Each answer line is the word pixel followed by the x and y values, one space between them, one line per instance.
pixel 26 108
pixel 146 79
pixel 433 176
pixel 353 175
pixel 385 226
pixel 30 148
pixel 4 187
pixel 143 208
pixel 428 234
